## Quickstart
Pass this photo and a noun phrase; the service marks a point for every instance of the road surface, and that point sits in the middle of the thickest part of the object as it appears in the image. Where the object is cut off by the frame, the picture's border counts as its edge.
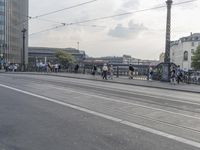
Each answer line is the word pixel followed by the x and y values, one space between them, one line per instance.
pixel 48 113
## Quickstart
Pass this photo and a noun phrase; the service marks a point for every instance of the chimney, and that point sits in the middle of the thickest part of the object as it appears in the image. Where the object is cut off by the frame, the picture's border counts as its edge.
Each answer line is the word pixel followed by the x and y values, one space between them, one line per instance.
pixel 191 34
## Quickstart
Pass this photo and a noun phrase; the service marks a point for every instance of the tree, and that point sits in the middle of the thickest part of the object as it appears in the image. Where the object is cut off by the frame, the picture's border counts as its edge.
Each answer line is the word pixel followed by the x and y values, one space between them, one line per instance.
pixel 196 59
pixel 64 58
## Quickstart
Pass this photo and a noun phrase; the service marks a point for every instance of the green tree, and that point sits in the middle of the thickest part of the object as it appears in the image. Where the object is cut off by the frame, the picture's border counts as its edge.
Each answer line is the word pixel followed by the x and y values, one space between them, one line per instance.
pixel 196 59
pixel 64 58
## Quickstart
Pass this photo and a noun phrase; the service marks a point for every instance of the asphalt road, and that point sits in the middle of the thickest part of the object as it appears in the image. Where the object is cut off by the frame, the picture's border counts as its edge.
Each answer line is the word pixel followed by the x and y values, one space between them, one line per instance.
pixel 48 113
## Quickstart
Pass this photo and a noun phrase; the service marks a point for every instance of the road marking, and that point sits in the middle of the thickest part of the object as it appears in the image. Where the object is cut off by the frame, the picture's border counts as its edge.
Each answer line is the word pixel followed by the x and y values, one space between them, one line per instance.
pixel 127 123
pixel 92 83
pixel 133 92
pixel 129 103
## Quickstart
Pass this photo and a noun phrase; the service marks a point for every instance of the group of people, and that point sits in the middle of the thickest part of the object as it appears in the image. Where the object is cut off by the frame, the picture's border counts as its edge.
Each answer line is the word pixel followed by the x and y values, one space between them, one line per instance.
pixel 107 71
pixel 48 67
pixel 176 75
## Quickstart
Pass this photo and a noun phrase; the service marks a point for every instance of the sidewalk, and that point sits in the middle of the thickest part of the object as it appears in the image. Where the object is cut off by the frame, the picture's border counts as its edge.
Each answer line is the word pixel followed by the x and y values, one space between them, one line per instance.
pixel 124 80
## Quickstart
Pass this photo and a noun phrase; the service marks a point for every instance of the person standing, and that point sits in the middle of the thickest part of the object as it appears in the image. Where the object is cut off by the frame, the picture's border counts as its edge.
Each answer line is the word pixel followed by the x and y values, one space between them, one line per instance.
pixel 105 71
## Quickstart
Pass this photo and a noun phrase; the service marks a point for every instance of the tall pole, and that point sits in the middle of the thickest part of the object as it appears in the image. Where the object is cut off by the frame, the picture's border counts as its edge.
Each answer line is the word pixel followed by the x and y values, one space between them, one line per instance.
pixel 23 50
pixel 168 32
pixel 166 65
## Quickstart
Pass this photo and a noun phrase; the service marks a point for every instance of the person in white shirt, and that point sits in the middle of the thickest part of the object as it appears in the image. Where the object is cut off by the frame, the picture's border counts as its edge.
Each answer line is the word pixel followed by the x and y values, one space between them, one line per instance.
pixel 105 71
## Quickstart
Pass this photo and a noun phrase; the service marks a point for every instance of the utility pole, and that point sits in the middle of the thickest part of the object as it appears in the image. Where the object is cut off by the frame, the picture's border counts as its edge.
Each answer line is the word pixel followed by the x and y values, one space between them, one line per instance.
pixel 23 50
pixel 166 66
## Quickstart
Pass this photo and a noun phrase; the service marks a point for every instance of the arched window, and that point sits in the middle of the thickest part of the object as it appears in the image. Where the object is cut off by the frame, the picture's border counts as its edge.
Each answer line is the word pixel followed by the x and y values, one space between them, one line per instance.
pixel 185 56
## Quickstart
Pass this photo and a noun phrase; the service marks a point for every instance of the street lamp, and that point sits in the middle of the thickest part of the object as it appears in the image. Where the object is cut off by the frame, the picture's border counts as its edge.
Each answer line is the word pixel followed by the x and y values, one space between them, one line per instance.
pixel 23 50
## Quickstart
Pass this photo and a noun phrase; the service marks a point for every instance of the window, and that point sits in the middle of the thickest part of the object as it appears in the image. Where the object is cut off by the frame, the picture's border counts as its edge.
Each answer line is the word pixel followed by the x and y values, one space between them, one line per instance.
pixel 185 56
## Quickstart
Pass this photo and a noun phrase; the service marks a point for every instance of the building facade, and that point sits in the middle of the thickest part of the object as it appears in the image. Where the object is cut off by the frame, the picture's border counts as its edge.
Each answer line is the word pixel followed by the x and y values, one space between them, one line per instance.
pixel 182 50
pixel 13 19
pixel 45 54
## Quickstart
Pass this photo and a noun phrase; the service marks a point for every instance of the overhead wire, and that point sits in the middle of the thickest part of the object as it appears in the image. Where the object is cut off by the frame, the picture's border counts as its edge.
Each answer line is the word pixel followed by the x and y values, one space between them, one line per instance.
pixel 113 16
pixel 61 23
pixel 55 11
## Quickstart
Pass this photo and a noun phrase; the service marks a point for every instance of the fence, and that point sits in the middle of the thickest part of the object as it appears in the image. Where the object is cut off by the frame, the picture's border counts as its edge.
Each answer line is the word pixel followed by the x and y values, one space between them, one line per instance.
pixel 121 70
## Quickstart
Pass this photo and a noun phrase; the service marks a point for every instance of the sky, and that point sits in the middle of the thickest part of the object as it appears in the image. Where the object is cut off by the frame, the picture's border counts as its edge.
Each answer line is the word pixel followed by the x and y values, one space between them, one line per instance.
pixel 141 35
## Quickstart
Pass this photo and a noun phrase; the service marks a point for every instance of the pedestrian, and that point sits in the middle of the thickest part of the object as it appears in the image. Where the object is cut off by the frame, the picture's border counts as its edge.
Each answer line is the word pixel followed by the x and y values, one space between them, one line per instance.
pixel 179 75
pixel 76 68
pixel 173 77
pixel 130 72
pixel 94 70
pixel 110 72
pixel 59 67
pixel 105 71
pixel 56 68
pixel 49 67
pixel 151 74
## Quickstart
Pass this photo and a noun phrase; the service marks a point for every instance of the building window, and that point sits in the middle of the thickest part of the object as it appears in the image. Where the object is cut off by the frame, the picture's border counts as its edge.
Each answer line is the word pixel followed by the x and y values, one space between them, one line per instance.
pixel 185 56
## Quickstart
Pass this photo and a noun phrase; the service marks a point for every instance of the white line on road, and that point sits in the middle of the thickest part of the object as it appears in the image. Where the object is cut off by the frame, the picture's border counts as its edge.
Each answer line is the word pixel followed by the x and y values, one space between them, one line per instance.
pixel 129 103
pixel 147 129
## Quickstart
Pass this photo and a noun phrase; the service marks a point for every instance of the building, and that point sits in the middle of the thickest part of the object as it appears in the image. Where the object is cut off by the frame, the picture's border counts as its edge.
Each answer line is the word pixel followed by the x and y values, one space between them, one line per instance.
pixel 45 54
pixel 102 60
pixel 13 19
pixel 182 50
pixel 124 60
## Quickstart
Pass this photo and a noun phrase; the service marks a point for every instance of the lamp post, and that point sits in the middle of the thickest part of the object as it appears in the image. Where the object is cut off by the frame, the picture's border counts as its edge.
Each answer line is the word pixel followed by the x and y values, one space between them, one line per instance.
pixel 23 50
pixel 166 65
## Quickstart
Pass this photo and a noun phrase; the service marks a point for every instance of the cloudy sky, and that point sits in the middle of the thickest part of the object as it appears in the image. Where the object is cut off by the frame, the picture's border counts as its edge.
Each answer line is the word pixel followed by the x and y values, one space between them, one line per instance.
pixel 141 35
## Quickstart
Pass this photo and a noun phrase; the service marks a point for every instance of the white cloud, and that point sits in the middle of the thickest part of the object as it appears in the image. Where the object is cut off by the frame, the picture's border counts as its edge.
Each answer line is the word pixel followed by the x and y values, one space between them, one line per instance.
pixel 130 4
pixel 143 38
pixel 132 30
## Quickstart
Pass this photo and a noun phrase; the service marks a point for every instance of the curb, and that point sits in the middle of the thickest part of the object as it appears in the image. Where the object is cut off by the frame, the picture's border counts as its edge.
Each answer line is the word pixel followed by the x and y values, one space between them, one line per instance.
pixel 110 81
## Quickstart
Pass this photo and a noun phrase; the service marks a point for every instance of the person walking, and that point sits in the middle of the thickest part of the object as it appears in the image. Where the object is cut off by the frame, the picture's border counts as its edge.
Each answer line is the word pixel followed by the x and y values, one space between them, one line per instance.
pixel 105 71
pixel 173 77
pixel 179 74
pixel 130 72
pixel 150 74
pixel 94 70
pixel 110 72
pixel 49 67
pixel 76 68
pixel 56 68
